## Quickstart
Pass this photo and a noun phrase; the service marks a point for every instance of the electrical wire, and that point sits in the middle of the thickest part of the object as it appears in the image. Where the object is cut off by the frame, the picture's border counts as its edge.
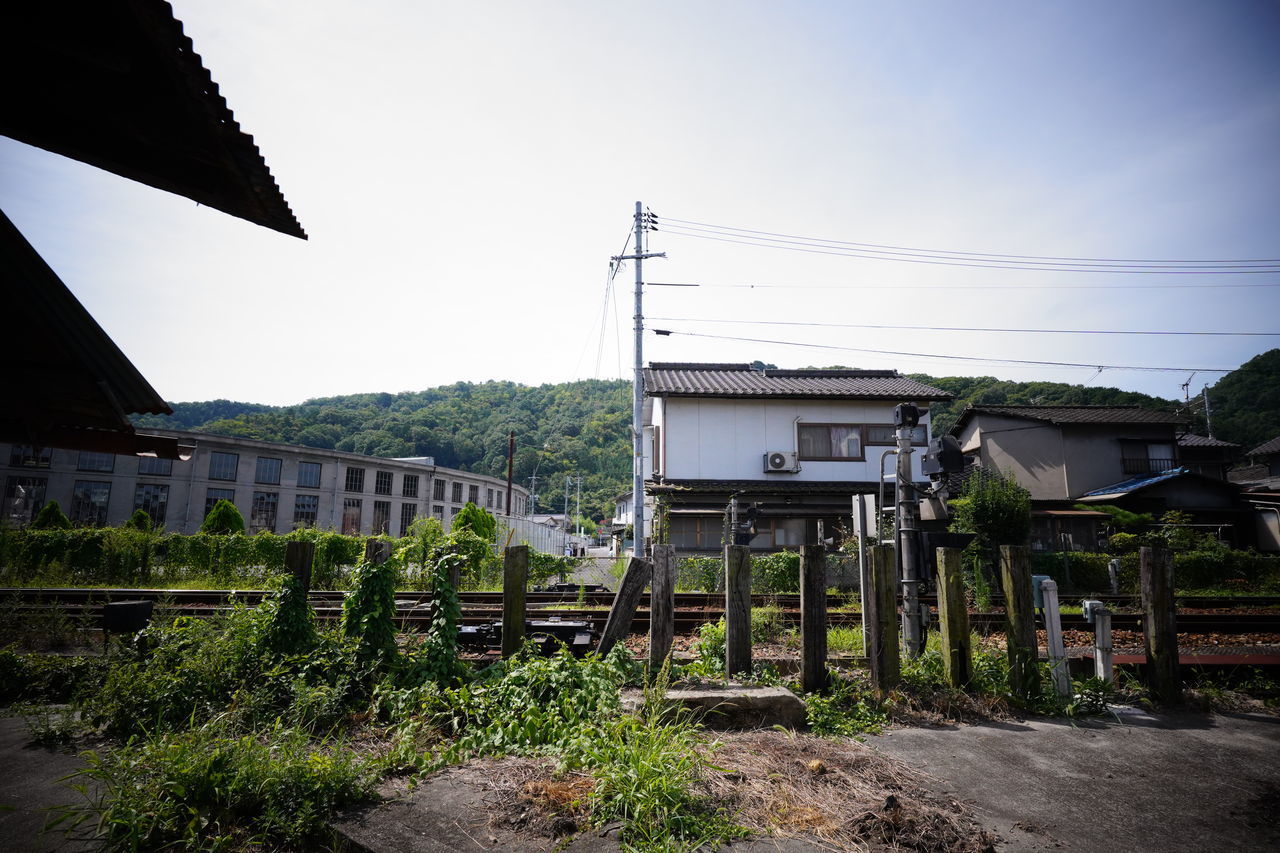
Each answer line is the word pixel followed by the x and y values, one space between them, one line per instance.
pixel 1045 266
pixel 959 287
pixel 947 357
pixel 998 255
pixel 957 328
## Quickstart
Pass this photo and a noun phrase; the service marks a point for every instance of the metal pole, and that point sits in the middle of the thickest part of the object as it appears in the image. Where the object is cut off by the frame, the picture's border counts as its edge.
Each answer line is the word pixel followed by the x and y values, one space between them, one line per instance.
pixel 908 548
pixel 511 457
pixel 637 398
pixel 577 505
pixel 1208 422
pixel 567 479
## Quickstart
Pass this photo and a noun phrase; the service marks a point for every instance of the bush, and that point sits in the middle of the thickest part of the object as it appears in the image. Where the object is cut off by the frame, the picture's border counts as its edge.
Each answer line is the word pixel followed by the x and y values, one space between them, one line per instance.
pixel 1124 543
pixel 773 573
pixel 704 574
pixel 477 520
pixel 223 519
pixel 369 610
pixel 140 521
pixel 1089 571
pixel 51 517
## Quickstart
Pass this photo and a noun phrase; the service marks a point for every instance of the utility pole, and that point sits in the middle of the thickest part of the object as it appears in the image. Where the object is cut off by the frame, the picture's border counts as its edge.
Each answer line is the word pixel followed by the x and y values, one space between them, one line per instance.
pixel 1208 423
pixel 577 507
pixel 511 458
pixel 567 481
pixel 908 530
pixel 643 222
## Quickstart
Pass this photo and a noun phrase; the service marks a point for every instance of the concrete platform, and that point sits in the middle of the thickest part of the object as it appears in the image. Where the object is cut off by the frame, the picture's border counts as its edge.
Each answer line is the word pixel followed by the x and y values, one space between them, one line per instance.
pixel 1160 783
pixel 29 786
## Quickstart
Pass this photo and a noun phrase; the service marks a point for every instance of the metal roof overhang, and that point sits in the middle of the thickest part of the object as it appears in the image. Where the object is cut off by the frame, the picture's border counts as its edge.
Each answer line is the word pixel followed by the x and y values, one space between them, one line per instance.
pixel 65 383
pixel 119 85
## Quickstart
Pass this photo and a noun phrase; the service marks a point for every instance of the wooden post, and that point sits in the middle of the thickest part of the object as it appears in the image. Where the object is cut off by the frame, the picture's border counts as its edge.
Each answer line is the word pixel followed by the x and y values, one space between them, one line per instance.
pixel 953 614
pixel 377 551
pixel 662 606
pixel 515 574
pixel 1159 625
pixel 298 557
pixel 881 601
pixel 1053 631
pixel 1020 626
pixel 737 610
pixel 625 601
pixel 813 618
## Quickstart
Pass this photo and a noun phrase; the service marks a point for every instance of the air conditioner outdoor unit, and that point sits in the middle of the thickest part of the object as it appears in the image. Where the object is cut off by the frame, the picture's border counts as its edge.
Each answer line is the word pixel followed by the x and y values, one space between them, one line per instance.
pixel 781 461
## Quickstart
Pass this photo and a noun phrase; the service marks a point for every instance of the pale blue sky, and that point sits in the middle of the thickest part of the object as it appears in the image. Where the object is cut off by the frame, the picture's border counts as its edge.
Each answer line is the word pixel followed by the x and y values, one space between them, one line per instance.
pixel 465 170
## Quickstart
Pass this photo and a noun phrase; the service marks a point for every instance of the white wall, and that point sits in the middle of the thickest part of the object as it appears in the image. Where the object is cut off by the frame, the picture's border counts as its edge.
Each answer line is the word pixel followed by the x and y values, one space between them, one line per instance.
pixel 719 439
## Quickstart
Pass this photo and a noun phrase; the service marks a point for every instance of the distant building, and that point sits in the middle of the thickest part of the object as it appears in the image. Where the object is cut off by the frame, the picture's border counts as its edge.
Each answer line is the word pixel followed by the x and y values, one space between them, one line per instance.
pixel 277 487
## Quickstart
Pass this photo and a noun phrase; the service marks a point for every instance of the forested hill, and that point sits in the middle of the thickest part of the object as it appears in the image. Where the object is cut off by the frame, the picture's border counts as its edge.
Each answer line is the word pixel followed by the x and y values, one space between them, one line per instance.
pixel 582 427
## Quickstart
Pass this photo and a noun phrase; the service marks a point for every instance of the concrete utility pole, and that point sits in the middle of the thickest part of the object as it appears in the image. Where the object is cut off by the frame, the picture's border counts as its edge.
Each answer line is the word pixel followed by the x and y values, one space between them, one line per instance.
pixel 511 458
pixel 1208 422
pixel 567 481
pixel 909 546
pixel 642 222
pixel 577 505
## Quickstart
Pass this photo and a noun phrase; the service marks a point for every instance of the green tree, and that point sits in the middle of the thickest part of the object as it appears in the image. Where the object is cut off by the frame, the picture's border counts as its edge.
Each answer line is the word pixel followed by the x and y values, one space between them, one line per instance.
pixel 223 519
pixel 478 520
pixel 140 521
pixel 51 517
pixel 994 508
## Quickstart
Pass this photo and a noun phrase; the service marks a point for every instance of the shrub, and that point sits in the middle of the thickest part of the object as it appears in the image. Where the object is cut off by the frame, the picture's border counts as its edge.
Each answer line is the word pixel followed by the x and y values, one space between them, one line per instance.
pixel 1089 572
pixel 704 574
pixel 51 517
pixel 477 520
pixel 223 519
pixel 1124 543
pixel 368 612
pixel 778 572
pixel 140 521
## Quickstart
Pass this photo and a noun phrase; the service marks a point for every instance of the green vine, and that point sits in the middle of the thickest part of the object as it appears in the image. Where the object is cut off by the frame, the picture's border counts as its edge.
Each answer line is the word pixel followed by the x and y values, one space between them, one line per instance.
pixel 368 612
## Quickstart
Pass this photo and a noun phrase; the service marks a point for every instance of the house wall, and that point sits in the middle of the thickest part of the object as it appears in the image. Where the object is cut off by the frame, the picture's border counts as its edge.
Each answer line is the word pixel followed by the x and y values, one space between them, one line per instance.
pixel 1094 452
pixel 719 439
pixel 1031 450
pixel 187 486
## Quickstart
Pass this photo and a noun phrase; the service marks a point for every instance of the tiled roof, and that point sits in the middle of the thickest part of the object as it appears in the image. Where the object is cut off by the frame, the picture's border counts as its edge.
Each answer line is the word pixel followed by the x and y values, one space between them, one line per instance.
pixel 1076 414
pixel 1272 446
pixel 673 379
pixel 1190 440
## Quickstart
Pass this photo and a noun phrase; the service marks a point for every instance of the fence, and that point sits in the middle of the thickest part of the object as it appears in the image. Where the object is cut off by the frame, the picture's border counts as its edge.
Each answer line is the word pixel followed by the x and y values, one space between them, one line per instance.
pixel 516 530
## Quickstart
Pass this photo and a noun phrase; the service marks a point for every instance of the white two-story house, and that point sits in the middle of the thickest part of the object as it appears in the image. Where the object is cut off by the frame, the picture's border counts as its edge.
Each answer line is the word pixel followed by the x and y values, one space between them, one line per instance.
pixel 797 444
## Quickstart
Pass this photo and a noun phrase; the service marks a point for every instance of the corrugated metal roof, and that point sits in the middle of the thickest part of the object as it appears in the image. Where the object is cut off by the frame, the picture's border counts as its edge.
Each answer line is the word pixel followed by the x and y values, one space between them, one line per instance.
pixel 120 86
pixel 673 379
pixel 1124 487
pixel 1190 440
pixel 1074 415
pixel 1272 446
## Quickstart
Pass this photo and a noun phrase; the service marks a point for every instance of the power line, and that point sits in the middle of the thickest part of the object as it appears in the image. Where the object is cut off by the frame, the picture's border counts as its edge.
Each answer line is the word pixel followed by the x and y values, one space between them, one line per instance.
pixel 962 286
pixel 957 328
pixel 1036 258
pixel 948 357
pixel 994 264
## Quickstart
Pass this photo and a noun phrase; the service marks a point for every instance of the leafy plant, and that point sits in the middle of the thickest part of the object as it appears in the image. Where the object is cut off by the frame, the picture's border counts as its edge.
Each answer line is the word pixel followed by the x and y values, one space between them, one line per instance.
pixel 223 519
pixel 844 711
pixel 140 520
pixel 477 520
pixel 368 612
pixel 51 517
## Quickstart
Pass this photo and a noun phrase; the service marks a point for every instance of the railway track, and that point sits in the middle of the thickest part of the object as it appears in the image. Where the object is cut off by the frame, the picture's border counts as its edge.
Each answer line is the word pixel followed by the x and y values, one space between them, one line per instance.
pixel 692 609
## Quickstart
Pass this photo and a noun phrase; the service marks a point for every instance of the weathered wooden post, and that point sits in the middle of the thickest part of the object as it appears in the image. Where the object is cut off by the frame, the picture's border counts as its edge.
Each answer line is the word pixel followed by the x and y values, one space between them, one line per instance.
pixel 1020 626
pixel 737 610
pixel 377 551
pixel 813 618
pixel 298 557
pixel 662 606
pixel 1159 625
pixel 881 601
pixel 625 601
pixel 515 574
pixel 1053 632
pixel 953 615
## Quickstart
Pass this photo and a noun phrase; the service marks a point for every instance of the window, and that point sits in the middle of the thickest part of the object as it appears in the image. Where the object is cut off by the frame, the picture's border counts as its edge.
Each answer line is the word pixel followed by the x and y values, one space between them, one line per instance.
pixel 381 517
pixel 457 493
pixel 212 496
pixel 268 471
pixel 382 482
pixel 488 498
pixel 355 480
pixel 26 456
pixel 351 516
pixel 153 467
pixel 1145 457
pixel 23 498
pixel 152 498
pixel 306 508
pixel 438 512
pixel 222 466
pixel 408 512
pixel 437 490
pixel 885 434
pixel 473 494
pixel 453 511
pixel 308 475
pixel 497 501
pixel 409 489
pixel 91 460
pixel 89 503
pixel 262 512
pixel 839 442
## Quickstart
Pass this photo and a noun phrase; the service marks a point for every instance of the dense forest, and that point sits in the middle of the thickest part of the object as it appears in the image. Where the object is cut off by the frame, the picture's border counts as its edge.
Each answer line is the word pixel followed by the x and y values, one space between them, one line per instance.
pixel 581 428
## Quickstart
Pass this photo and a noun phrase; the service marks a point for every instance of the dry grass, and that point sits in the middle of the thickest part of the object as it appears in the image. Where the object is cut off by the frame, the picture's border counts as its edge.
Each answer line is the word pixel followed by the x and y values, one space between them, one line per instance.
pixel 842 793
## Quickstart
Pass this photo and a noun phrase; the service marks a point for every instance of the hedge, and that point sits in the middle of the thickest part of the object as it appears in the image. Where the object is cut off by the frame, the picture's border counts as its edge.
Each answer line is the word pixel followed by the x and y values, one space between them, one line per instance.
pixel 1191 570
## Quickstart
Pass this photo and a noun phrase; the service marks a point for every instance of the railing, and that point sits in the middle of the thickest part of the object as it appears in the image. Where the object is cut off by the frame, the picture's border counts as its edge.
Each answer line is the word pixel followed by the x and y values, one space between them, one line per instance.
pixel 1148 466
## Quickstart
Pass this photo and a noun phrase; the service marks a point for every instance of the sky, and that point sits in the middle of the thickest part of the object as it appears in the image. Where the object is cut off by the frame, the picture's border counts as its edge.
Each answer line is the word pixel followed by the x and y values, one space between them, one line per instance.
pixel 465 171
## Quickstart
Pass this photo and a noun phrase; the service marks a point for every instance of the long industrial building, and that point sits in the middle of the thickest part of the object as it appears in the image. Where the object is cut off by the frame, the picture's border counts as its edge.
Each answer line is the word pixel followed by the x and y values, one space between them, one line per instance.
pixel 277 487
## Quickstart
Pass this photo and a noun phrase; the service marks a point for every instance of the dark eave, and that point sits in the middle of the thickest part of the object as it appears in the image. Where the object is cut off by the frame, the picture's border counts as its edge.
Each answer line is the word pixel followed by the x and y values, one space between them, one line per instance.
pixel 118 85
